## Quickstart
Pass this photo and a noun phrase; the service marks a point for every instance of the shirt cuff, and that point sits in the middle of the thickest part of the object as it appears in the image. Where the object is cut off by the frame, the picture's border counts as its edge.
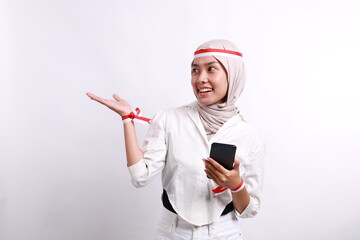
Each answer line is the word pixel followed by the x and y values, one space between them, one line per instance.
pixel 138 170
pixel 250 210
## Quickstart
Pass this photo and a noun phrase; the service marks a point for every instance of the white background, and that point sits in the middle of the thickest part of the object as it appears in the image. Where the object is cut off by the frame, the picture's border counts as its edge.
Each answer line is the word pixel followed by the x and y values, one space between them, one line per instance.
pixel 63 171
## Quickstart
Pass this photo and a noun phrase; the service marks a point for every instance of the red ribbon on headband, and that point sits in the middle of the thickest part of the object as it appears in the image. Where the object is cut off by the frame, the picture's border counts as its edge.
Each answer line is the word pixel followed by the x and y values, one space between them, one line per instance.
pixel 135 116
pixel 214 51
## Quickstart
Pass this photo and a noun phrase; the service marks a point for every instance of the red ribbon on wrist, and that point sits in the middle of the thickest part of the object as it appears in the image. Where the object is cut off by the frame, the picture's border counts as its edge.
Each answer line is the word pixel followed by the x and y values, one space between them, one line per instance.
pixel 219 190
pixel 135 116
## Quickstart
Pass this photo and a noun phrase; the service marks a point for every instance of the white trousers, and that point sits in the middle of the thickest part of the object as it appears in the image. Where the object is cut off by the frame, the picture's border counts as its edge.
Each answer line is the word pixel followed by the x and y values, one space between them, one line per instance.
pixel 173 227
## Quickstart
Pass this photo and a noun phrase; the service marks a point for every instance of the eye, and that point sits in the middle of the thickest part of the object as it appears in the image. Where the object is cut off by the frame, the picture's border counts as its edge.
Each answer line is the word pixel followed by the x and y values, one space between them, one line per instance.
pixel 194 70
pixel 211 69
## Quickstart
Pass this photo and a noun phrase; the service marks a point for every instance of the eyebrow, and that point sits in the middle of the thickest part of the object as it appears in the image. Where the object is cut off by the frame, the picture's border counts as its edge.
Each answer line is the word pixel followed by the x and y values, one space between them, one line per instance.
pixel 206 64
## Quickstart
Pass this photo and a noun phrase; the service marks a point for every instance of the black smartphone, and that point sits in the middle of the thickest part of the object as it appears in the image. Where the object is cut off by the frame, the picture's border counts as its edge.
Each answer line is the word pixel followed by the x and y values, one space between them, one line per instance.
pixel 223 154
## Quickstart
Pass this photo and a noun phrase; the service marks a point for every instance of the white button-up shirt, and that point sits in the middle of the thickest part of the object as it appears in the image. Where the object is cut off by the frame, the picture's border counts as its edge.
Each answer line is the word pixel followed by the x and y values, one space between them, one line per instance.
pixel 175 145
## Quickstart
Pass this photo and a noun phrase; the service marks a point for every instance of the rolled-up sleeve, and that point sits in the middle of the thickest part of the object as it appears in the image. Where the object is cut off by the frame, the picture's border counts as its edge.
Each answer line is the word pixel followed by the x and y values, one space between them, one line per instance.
pixel 154 153
pixel 253 177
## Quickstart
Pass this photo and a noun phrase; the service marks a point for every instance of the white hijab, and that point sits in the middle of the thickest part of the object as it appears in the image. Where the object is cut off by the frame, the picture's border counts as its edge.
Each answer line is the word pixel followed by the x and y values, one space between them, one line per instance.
pixel 214 116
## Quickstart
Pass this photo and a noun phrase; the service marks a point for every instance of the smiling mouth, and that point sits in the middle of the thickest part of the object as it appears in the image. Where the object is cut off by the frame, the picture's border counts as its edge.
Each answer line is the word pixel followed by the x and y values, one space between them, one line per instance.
pixel 204 90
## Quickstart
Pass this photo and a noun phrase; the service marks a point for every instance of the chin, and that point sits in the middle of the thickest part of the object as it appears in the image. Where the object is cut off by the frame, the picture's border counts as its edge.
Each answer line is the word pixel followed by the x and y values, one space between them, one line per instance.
pixel 205 103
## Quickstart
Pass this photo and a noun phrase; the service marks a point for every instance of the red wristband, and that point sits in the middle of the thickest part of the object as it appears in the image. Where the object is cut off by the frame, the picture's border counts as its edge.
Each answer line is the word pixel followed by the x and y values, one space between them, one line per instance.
pixel 240 187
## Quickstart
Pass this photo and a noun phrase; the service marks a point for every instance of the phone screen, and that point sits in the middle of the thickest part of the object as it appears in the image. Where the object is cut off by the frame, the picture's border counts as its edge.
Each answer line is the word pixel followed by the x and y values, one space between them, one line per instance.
pixel 223 154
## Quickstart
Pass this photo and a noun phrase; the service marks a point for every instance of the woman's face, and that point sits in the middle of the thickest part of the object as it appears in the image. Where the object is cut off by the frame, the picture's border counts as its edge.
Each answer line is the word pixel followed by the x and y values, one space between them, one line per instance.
pixel 209 80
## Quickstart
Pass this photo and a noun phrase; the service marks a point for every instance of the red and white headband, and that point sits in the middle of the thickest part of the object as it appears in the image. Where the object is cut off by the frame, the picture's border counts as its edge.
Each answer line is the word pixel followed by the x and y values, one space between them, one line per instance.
pixel 218 52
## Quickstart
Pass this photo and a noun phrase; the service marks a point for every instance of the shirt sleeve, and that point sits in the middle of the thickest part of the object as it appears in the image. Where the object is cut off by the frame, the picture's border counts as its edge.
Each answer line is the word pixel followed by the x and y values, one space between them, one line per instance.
pixel 253 177
pixel 154 153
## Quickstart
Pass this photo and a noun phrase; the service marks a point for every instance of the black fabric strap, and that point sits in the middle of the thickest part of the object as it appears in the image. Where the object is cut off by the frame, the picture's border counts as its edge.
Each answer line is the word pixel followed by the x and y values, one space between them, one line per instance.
pixel 167 205
pixel 166 202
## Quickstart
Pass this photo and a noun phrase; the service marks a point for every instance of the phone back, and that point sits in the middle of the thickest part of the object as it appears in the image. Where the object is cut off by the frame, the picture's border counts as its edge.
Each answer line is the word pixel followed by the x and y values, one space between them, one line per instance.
pixel 223 154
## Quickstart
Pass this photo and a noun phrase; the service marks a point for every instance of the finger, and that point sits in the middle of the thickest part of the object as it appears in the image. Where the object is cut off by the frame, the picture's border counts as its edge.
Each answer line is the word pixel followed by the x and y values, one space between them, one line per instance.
pixel 211 175
pixel 215 173
pixel 116 97
pixel 93 96
pixel 236 164
pixel 209 166
pixel 98 99
pixel 206 171
pixel 207 174
pixel 90 95
pixel 217 166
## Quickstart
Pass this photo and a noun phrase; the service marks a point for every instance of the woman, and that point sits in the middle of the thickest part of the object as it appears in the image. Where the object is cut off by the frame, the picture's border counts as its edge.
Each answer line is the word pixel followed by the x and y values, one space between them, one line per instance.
pixel 202 199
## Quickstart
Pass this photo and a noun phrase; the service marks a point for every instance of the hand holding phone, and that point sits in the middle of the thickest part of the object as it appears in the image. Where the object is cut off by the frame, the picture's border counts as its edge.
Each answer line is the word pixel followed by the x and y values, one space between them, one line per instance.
pixel 223 154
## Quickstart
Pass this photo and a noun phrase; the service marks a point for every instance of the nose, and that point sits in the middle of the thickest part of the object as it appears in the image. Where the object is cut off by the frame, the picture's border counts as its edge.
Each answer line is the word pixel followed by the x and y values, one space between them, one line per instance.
pixel 203 77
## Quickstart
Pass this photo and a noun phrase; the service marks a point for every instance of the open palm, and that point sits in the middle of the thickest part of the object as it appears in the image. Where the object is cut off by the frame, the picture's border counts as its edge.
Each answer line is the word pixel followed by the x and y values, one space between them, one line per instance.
pixel 118 105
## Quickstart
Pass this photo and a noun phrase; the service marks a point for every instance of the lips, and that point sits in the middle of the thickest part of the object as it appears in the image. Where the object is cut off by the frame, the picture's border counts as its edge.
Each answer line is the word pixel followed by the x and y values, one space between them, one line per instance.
pixel 205 90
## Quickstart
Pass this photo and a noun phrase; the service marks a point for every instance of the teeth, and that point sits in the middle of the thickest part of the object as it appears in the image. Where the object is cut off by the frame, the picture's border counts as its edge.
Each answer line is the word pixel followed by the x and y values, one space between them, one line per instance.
pixel 205 90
